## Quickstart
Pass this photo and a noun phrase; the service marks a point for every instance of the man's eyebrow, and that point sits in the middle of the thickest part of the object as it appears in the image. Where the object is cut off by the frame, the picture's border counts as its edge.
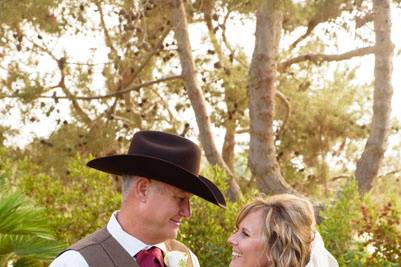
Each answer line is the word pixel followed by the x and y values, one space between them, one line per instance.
pixel 178 190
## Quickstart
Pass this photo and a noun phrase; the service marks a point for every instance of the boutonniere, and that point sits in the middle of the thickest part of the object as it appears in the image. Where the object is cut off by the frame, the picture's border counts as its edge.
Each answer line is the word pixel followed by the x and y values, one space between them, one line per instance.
pixel 176 259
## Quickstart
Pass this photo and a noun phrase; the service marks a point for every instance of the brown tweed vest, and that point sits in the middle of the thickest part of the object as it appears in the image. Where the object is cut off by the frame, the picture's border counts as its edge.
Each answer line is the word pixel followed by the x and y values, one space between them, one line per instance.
pixel 100 249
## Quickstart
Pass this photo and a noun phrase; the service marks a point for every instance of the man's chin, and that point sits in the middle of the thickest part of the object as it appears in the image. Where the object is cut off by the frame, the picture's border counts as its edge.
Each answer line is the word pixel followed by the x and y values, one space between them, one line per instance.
pixel 173 232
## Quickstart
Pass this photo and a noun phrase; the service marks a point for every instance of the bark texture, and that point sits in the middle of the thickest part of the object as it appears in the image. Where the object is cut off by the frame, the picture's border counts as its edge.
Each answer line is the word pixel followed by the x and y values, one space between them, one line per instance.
pixel 372 156
pixel 261 91
pixel 180 25
pixel 230 123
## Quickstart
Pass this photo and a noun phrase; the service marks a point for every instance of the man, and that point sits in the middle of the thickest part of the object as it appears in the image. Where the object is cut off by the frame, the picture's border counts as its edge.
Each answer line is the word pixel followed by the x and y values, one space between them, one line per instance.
pixel 160 174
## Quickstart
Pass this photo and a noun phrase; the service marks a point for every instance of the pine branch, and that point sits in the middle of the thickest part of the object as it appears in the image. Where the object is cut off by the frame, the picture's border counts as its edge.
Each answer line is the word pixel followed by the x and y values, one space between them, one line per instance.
pixel 115 94
pixel 317 58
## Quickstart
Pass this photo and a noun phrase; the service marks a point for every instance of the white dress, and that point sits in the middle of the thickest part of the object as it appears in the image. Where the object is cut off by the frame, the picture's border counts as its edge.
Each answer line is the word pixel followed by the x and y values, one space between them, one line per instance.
pixel 320 256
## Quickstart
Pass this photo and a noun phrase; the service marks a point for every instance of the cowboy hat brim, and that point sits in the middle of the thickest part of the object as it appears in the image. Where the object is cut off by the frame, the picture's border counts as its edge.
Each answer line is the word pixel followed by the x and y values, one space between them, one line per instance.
pixel 160 170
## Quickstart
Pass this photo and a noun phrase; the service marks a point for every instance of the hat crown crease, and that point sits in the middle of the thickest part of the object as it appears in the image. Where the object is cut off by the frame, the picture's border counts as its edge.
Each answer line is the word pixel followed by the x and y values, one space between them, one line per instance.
pixel 174 149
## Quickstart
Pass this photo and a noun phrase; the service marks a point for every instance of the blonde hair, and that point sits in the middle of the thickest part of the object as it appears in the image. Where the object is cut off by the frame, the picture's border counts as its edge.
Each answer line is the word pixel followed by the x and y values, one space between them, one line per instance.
pixel 288 230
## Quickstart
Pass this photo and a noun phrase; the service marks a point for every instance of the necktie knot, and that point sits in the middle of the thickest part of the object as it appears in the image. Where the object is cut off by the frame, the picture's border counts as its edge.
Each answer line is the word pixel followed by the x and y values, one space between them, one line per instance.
pixel 152 257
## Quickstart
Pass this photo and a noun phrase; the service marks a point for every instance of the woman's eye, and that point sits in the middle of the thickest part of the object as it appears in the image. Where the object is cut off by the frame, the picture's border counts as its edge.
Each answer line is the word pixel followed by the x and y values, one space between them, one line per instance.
pixel 244 233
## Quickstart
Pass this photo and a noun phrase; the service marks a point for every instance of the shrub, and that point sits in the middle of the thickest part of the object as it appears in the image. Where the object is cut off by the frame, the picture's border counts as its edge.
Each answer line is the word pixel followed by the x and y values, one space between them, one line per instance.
pixel 362 233
pixel 378 240
pixel 78 203
pixel 338 221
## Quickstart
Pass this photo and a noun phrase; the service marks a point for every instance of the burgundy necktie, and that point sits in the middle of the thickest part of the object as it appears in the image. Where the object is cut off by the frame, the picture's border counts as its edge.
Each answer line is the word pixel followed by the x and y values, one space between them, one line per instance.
pixel 152 257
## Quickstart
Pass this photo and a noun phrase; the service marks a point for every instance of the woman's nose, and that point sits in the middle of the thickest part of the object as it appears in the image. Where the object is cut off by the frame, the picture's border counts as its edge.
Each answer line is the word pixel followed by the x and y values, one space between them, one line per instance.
pixel 232 239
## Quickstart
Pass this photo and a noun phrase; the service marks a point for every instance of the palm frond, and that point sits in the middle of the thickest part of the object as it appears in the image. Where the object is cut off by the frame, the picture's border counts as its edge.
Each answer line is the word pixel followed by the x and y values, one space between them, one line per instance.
pixel 25 236
pixel 27 262
pixel 12 260
pixel 17 216
pixel 29 246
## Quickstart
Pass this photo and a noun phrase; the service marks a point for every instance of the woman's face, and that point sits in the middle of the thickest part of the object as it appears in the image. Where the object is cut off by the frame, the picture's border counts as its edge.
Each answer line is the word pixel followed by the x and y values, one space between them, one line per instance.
pixel 247 242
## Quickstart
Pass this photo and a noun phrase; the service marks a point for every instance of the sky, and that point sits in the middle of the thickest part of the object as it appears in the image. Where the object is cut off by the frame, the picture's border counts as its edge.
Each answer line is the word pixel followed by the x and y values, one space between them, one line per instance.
pixel 82 48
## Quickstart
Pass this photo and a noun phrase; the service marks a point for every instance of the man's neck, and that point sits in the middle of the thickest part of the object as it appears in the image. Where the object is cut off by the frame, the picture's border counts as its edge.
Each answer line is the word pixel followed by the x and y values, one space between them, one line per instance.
pixel 133 225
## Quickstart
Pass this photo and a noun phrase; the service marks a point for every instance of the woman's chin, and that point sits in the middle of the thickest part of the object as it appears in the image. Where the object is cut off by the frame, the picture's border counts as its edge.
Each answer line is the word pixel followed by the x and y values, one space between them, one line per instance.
pixel 235 263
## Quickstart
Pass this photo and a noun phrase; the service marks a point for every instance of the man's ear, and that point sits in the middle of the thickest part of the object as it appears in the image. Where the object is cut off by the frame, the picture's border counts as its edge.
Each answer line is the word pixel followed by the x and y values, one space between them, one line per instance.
pixel 142 188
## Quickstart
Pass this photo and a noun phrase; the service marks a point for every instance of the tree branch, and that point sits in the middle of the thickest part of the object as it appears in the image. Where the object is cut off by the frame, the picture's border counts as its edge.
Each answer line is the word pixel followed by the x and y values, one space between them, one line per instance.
pixel 115 94
pixel 311 26
pixel 325 10
pixel 316 58
pixel 389 173
pixel 81 113
pixel 61 84
pixel 340 177
pixel 149 56
pixel 285 101
pixel 359 22
pixel 107 38
pixel 172 119
pixel 124 119
pixel 240 60
pixel 379 176
pixel 213 38
pixel 43 49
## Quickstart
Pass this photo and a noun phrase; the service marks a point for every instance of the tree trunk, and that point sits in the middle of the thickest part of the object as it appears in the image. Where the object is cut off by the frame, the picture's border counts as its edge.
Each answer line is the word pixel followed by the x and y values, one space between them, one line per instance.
pixel 372 156
pixel 230 122
pixel 179 22
pixel 228 145
pixel 261 90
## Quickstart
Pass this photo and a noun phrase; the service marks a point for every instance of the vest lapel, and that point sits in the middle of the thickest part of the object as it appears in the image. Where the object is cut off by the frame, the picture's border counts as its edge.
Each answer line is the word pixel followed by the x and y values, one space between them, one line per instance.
pixel 118 254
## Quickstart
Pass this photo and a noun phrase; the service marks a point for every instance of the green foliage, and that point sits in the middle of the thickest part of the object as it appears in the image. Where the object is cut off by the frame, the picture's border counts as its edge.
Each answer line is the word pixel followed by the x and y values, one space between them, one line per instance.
pixel 316 131
pixel 337 226
pixel 68 140
pixel 207 230
pixel 25 235
pixel 77 203
pixel 379 236
pixel 36 11
pixel 361 232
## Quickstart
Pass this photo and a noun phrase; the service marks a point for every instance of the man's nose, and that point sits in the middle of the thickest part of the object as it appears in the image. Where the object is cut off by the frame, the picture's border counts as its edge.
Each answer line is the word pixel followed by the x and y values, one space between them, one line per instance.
pixel 185 209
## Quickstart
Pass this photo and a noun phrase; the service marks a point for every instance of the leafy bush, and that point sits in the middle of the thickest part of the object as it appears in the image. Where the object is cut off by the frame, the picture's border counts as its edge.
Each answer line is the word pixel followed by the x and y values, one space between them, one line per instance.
pixel 379 236
pixel 338 218
pixel 78 203
pixel 362 233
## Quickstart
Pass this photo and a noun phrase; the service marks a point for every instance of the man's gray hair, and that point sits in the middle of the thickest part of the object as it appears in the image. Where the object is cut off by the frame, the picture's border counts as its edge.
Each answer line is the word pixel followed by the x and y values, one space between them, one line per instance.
pixel 128 181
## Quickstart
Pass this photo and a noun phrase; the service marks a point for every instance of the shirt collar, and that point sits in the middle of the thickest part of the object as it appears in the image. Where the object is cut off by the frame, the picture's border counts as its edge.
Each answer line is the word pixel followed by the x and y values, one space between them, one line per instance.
pixel 131 244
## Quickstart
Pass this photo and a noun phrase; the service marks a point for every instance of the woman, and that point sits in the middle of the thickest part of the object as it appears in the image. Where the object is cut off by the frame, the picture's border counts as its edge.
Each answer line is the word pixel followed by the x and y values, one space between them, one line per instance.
pixel 278 231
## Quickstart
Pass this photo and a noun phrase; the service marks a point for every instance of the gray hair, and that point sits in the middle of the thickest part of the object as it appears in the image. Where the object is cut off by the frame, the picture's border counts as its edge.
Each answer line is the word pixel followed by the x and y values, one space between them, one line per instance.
pixel 128 181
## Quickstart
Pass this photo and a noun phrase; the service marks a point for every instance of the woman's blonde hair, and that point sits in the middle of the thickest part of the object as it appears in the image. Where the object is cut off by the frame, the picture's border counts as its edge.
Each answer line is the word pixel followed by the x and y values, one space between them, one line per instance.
pixel 288 230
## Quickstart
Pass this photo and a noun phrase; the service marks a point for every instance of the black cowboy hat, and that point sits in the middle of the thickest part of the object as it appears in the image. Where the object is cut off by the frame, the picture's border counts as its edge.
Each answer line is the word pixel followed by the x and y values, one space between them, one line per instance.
pixel 164 157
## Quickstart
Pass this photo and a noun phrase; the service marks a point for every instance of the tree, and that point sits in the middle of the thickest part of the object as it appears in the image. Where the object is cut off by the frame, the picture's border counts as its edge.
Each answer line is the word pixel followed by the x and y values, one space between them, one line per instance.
pixel 261 91
pixel 141 88
pixel 372 156
pixel 178 18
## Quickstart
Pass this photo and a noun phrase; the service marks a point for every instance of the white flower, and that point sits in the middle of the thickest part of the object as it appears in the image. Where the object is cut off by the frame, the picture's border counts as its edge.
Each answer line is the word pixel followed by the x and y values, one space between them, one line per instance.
pixel 176 259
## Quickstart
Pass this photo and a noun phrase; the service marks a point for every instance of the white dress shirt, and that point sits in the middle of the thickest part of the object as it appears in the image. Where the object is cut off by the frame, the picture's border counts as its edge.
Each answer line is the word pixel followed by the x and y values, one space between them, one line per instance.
pixel 320 256
pixel 72 258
